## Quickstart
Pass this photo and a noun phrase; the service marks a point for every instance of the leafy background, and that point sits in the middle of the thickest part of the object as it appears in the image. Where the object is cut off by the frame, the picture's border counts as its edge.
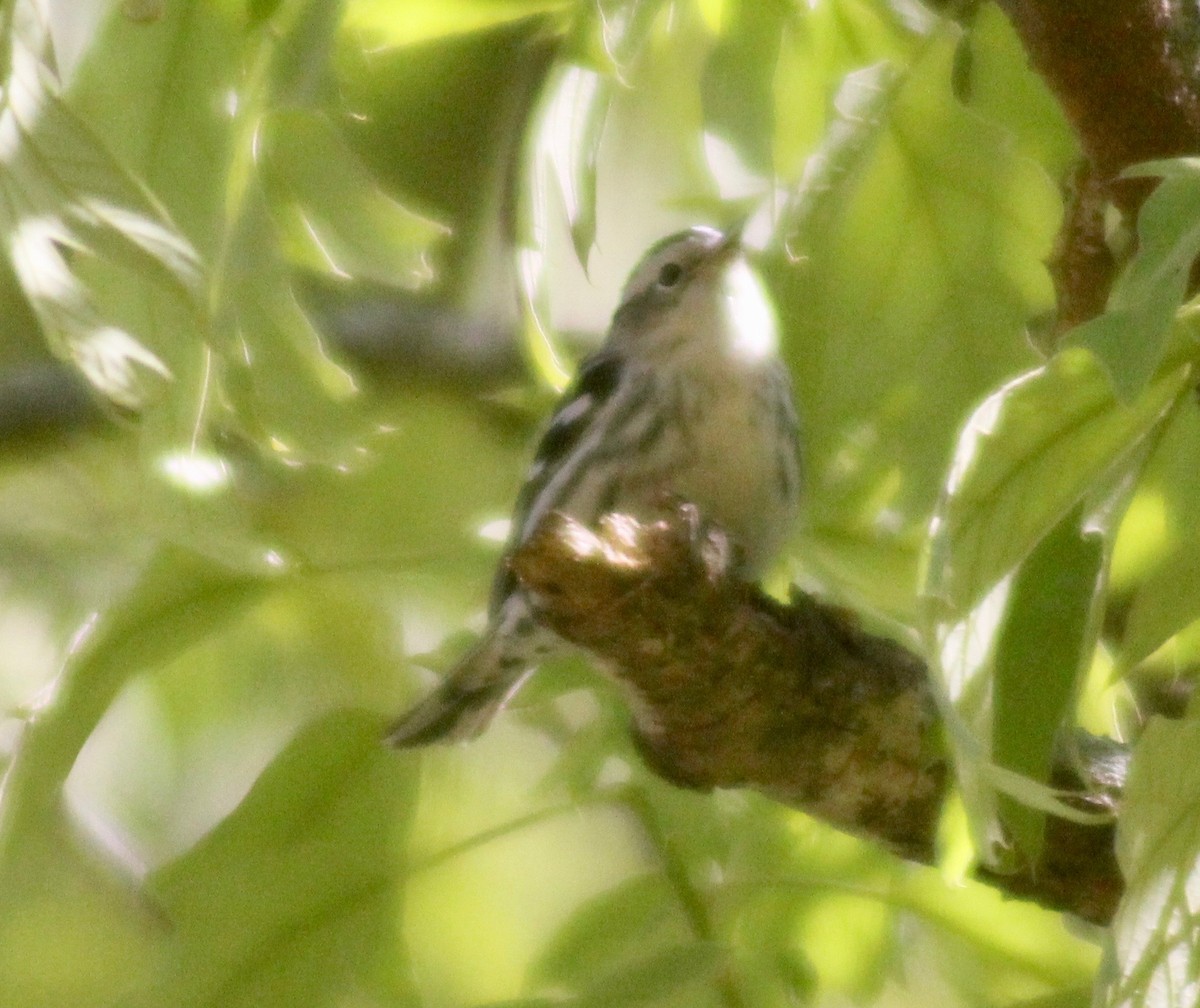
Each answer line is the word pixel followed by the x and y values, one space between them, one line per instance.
pixel 320 266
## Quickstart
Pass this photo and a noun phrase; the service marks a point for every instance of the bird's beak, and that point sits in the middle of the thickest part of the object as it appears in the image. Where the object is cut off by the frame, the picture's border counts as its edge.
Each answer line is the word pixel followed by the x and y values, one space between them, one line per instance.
pixel 730 245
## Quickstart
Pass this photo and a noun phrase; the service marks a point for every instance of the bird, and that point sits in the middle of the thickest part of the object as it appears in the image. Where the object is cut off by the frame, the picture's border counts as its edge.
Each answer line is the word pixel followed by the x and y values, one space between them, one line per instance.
pixel 687 398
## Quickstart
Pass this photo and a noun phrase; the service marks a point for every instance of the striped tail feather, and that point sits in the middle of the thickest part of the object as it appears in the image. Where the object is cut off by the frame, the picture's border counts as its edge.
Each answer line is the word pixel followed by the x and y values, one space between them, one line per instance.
pixel 477 688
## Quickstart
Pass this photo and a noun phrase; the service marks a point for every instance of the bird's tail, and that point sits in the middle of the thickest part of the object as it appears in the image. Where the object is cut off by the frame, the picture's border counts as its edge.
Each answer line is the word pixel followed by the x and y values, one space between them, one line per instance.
pixel 471 695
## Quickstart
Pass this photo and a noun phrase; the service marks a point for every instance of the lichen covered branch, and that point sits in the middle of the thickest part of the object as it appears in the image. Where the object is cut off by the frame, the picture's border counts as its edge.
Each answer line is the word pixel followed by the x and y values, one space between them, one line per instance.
pixel 731 688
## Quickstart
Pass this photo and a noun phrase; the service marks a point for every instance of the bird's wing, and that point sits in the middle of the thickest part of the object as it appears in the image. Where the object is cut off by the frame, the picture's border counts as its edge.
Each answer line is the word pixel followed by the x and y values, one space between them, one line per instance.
pixel 568 441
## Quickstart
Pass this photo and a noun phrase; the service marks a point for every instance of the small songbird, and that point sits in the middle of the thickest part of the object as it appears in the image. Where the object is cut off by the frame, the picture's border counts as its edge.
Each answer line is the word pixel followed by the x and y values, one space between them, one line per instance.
pixel 686 399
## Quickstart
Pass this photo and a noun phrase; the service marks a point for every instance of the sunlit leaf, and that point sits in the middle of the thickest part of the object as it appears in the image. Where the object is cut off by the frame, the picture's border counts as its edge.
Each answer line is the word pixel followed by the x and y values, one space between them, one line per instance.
pixel 1164 603
pixel 333 216
pixel 1047 636
pixel 1153 957
pixel 410 22
pixel 1158 551
pixel 561 174
pixel 1130 337
pixel 562 152
pixel 140 240
pixel 936 215
pixel 68 200
pixel 288 394
pixel 861 103
pixel 1041 446
pixel 1029 453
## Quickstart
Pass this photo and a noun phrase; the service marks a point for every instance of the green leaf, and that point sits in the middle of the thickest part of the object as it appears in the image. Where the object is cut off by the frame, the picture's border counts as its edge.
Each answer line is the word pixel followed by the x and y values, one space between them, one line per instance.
pixel 930 243
pixel 289 900
pixel 737 87
pixel 1027 455
pixel 564 141
pixel 560 171
pixel 388 23
pixel 861 104
pixel 178 599
pixel 258 11
pixel 1079 997
pixel 284 390
pixel 332 215
pixel 76 926
pixel 671 972
pixel 66 201
pixel 606 930
pixel 533 1002
pixel 1153 956
pixel 1130 337
pixel 1043 445
pixel 1045 641
pixel 65 878
pixel 1166 602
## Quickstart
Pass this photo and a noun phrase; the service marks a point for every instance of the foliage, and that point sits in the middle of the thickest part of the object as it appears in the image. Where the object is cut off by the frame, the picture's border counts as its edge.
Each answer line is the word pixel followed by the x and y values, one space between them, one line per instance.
pixel 212 602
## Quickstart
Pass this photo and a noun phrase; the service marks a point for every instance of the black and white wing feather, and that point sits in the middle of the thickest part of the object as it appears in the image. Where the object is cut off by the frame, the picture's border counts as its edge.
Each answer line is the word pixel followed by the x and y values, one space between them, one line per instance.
pixel 564 475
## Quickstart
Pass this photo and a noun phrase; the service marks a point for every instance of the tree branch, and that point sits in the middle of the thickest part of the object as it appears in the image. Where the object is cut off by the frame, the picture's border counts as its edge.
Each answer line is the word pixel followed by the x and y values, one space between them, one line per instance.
pixel 1125 74
pixel 730 688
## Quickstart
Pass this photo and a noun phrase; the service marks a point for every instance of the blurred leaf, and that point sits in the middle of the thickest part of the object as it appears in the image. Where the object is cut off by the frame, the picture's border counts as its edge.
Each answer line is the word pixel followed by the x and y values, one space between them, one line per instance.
pixel 1029 453
pixel 822 47
pixel 58 876
pixel 737 86
pixel 410 22
pixel 1165 602
pixel 180 149
pixel 178 599
pixel 1153 957
pixel 1079 997
pixel 76 929
pixel 607 53
pixel 861 103
pixel 869 574
pixel 676 970
pixel 606 930
pixel 259 372
pixel 66 199
pixel 1130 337
pixel 608 36
pixel 1042 945
pixel 289 56
pixel 261 10
pixel 560 169
pixel 1158 550
pixel 141 242
pixel 1006 92
pixel 410 501
pixel 332 215
pixel 1044 642
pixel 290 899
pixel 564 138
pixel 534 1002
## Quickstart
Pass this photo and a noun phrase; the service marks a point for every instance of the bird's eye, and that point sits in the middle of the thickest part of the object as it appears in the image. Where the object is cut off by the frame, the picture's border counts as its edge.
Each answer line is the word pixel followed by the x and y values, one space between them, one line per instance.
pixel 669 275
